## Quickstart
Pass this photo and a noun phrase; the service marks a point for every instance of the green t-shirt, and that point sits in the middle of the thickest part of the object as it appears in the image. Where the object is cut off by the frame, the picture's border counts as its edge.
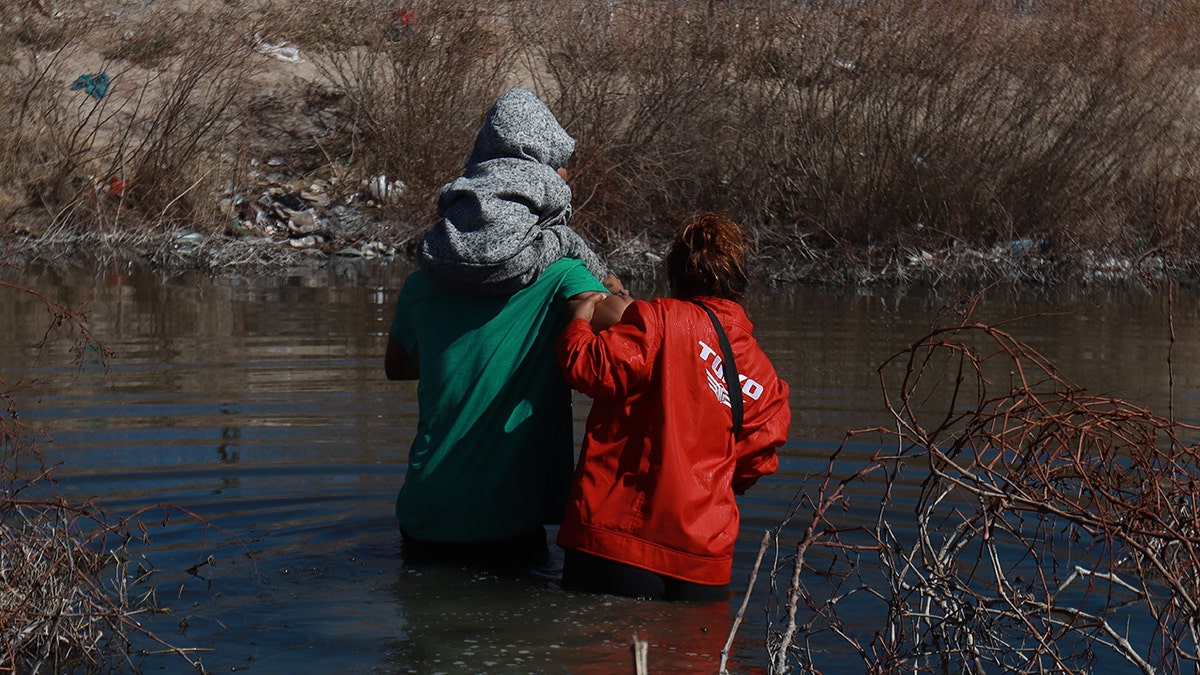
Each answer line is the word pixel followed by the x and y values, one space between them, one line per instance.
pixel 494 448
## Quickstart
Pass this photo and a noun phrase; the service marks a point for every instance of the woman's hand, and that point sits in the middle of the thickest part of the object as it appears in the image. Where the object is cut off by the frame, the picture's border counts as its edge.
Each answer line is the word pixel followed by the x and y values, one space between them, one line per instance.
pixel 583 306
pixel 600 309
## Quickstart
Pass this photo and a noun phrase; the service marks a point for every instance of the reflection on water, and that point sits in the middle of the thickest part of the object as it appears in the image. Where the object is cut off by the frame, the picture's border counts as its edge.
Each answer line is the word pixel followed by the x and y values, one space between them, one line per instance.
pixel 261 407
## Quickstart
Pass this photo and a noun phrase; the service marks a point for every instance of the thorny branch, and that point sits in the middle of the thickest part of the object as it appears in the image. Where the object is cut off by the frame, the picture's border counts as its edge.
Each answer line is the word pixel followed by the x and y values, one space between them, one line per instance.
pixel 67 598
pixel 1025 525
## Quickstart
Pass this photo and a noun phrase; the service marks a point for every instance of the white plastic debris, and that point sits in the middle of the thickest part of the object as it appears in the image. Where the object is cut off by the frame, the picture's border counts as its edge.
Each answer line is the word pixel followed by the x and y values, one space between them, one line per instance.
pixel 385 192
pixel 188 242
pixel 306 242
pixel 280 51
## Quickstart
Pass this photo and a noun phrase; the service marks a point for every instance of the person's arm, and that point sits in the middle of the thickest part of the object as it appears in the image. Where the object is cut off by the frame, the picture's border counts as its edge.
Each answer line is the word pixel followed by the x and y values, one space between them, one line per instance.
pixel 398 364
pixel 611 362
pixel 583 305
pixel 609 309
pixel 764 433
pixel 601 309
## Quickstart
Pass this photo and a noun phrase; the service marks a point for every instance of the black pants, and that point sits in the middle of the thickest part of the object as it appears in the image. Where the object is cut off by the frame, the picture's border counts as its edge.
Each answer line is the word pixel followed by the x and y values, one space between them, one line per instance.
pixel 587 573
pixel 524 550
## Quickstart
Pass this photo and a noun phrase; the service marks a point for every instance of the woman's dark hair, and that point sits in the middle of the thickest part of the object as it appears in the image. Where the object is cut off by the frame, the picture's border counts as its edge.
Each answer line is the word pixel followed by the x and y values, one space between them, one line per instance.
pixel 708 258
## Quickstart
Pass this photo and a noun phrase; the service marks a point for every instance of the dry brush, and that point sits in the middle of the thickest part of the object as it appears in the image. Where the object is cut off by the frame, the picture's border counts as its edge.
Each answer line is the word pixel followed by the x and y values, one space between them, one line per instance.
pixel 858 141
pixel 1008 521
pixel 72 591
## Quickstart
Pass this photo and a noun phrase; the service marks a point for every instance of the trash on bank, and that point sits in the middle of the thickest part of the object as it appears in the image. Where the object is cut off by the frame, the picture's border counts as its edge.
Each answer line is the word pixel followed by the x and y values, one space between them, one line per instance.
pixel 385 192
pixel 280 51
pixel 308 217
pixel 371 249
pixel 307 242
pixel 316 194
pixel 1029 246
pixel 95 84
pixel 117 185
pixel 188 242
pixel 303 222
pixel 403 20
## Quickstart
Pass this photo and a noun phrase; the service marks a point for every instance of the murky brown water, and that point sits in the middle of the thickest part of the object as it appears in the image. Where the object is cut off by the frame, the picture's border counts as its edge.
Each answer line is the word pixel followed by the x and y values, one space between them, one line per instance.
pixel 262 407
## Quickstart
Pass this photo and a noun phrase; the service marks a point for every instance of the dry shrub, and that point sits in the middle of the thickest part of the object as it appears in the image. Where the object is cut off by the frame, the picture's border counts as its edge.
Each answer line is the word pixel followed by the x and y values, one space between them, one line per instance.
pixel 157 148
pixel 862 126
pixel 644 89
pixel 65 602
pixel 149 43
pixel 899 123
pixel 27 174
pixel 178 141
pixel 868 133
pixel 1008 522
pixel 328 25
pixel 69 600
pixel 417 93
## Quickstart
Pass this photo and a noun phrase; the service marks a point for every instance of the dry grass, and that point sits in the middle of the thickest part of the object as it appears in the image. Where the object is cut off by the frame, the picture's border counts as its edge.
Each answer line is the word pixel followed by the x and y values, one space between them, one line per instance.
pixel 416 94
pixel 1009 521
pixel 858 141
pixel 70 594
pixel 65 601
pixel 165 129
pixel 866 129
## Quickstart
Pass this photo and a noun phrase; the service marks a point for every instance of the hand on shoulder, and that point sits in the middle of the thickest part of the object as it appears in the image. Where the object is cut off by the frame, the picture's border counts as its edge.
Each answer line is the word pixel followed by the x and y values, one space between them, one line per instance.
pixel 600 309
pixel 583 305
pixel 609 309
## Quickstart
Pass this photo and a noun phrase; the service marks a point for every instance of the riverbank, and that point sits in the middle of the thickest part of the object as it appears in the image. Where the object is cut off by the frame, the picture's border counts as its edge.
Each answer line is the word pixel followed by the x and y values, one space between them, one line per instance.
pixel 278 252
pixel 858 144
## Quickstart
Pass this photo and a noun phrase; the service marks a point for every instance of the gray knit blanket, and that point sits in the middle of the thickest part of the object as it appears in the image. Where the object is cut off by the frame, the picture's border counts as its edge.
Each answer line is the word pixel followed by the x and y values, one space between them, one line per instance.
pixel 505 220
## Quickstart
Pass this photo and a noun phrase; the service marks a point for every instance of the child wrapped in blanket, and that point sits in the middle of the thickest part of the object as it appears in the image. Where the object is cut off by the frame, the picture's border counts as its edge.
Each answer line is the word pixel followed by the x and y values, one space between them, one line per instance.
pixel 504 221
pixel 492 458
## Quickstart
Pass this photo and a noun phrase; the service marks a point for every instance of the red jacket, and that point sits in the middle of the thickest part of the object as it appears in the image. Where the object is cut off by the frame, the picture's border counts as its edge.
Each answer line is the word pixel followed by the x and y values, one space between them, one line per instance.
pixel 656 478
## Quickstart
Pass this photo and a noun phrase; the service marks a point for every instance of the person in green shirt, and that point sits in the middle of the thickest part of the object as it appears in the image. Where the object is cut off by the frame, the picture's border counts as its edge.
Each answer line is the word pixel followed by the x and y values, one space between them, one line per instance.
pixel 493 456
pixel 492 459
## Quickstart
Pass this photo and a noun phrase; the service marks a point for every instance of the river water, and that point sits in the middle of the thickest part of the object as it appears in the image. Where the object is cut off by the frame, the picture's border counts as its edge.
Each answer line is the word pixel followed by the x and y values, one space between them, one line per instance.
pixel 260 407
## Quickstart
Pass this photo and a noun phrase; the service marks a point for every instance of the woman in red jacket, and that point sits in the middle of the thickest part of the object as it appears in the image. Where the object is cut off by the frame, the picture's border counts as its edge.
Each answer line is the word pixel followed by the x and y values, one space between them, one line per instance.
pixel 651 512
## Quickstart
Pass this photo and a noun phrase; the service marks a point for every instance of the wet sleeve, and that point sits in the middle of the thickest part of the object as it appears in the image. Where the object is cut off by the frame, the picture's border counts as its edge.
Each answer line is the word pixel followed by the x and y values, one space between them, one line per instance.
pixel 614 362
pixel 764 432
pixel 403 330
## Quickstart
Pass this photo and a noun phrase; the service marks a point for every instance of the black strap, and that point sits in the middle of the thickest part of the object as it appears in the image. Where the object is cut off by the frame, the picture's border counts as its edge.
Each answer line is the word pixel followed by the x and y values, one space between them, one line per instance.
pixel 732 381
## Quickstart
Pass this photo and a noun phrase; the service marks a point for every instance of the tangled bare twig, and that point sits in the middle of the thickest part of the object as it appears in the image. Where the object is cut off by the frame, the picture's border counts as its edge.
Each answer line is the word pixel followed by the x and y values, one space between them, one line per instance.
pixel 1045 530
pixel 67 586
